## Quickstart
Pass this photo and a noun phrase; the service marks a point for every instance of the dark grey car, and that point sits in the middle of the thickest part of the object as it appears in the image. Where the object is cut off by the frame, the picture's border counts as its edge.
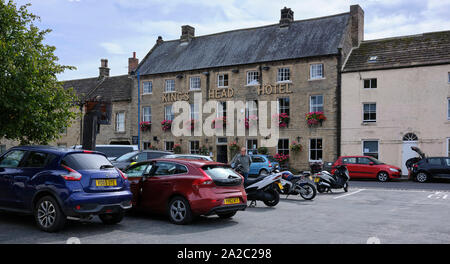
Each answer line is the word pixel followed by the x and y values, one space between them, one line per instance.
pixel 137 156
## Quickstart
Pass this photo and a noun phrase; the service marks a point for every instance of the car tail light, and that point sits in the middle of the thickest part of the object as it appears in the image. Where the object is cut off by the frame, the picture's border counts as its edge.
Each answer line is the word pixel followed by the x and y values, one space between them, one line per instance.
pixel 87 151
pixel 270 165
pixel 124 175
pixel 205 180
pixel 73 175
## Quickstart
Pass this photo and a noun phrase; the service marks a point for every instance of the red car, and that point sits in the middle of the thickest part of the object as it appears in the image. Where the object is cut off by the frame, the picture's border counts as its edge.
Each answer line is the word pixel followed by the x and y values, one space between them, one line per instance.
pixel 368 167
pixel 186 188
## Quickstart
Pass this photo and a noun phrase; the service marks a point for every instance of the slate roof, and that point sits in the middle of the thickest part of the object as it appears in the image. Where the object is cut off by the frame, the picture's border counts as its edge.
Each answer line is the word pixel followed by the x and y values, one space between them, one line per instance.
pixel 303 38
pixel 115 88
pixel 406 51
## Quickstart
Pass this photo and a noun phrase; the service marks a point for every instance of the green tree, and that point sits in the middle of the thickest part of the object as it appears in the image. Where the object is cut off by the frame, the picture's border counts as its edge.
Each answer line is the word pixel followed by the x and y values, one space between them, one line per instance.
pixel 34 107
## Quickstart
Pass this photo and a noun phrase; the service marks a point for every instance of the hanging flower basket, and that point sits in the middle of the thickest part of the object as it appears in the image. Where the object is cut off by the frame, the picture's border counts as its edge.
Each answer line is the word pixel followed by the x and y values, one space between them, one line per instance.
pixel 218 125
pixel 315 118
pixel 166 125
pixel 283 119
pixel 296 147
pixel 145 126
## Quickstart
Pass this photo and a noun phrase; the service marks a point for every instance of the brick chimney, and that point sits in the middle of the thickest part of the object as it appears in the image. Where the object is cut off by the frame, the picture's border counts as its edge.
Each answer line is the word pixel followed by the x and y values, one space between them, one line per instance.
pixel 103 69
pixel 159 40
pixel 287 17
pixel 132 63
pixel 357 25
pixel 187 33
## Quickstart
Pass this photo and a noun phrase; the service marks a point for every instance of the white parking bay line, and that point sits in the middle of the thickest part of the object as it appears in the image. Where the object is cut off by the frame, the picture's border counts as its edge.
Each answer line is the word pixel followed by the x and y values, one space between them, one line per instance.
pixel 349 194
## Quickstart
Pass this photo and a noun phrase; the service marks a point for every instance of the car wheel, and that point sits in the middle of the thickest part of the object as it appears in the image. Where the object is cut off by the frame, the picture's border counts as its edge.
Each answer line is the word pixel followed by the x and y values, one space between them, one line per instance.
pixel 422 177
pixel 49 216
pixel 227 215
pixel 276 199
pixel 180 211
pixel 383 176
pixel 111 219
pixel 263 172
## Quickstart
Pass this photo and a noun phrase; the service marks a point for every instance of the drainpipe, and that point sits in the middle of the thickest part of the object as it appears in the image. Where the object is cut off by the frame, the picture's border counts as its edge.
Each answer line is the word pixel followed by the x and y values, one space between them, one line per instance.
pixel 339 104
pixel 139 110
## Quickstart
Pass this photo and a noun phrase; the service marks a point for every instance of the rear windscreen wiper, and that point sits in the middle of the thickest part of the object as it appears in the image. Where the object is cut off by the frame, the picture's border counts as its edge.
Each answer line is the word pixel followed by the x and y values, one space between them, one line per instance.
pixel 106 167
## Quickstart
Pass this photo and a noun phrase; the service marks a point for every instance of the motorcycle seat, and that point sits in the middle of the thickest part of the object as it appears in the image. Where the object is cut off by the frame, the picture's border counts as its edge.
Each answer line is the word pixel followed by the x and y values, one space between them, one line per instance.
pixel 249 181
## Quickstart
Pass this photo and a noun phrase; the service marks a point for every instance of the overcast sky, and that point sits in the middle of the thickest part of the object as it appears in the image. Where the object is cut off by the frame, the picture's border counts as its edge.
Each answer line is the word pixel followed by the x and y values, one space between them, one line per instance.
pixel 84 31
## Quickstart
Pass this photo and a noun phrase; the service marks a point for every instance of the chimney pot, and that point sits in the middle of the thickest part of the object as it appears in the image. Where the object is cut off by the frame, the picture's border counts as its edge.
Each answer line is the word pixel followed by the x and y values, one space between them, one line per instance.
pixel 103 69
pixel 187 33
pixel 159 40
pixel 287 17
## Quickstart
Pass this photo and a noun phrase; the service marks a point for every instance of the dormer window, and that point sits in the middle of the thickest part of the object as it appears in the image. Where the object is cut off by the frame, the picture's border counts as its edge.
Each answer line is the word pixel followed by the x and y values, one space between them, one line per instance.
pixel 373 58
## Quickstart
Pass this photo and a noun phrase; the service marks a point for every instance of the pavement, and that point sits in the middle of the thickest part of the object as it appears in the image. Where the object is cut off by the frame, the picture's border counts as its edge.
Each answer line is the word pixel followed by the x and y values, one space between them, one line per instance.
pixel 393 212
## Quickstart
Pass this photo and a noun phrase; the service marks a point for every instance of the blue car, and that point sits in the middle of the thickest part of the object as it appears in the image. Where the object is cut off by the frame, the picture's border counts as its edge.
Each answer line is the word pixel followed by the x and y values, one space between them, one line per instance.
pixel 262 165
pixel 53 184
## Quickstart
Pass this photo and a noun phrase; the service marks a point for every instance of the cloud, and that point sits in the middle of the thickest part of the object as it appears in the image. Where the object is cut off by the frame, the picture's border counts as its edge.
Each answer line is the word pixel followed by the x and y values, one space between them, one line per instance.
pixel 112 48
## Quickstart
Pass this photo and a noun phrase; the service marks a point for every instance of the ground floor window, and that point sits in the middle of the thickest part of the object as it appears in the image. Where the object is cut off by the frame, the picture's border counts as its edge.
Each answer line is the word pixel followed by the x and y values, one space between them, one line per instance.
pixel 194 147
pixel 120 122
pixel 252 146
pixel 147 145
pixel 169 145
pixel 315 149
pixel 283 146
pixel 370 148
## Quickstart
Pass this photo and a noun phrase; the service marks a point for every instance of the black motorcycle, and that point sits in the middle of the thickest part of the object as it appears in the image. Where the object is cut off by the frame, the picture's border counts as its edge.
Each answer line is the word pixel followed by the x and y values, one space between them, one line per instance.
pixel 297 185
pixel 326 181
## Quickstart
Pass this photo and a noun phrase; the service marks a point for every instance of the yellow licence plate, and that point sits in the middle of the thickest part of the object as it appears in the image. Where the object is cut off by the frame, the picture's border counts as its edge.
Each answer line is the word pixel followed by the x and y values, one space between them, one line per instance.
pixel 280 185
pixel 316 179
pixel 101 183
pixel 232 201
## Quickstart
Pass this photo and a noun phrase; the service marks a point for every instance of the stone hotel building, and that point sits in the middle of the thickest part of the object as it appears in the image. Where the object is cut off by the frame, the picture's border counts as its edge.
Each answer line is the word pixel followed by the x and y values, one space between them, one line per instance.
pixel 295 63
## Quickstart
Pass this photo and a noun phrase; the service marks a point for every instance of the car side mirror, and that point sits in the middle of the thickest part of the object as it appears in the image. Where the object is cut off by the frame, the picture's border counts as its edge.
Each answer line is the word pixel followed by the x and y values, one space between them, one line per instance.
pixel 371 163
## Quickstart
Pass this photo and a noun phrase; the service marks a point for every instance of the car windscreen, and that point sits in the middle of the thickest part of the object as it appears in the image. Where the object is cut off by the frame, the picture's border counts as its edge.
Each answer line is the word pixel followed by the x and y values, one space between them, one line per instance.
pixel 86 161
pixel 126 156
pixel 114 151
pixel 218 172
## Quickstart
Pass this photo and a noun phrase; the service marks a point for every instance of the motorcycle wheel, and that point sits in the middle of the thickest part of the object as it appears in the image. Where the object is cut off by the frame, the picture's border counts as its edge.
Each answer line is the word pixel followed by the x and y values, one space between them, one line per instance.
pixel 307 192
pixel 276 199
pixel 321 188
pixel 346 187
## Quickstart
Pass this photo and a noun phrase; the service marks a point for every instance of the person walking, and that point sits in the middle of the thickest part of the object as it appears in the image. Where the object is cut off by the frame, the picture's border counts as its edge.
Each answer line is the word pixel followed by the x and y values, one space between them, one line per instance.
pixel 245 161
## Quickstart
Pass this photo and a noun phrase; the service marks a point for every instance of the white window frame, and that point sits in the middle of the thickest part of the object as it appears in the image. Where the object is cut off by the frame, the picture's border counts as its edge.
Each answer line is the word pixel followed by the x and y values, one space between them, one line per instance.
pixel 363 112
pixel 145 89
pixel 221 80
pixel 193 81
pixel 312 105
pixel 288 150
pixel 370 140
pixel 316 149
pixel 251 147
pixel 252 78
pixel 316 72
pixel 279 107
pixel 167 86
pixel 370 83
pixel 120 123
pixel 165 145
pixel 194 109
pixel 166 114
pixel 284 75
pixel 147 117
pixel 197 152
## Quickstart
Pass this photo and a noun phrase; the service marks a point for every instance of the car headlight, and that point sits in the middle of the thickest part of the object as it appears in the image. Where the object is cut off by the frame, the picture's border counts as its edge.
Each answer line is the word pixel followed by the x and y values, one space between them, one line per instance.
pixel 392 169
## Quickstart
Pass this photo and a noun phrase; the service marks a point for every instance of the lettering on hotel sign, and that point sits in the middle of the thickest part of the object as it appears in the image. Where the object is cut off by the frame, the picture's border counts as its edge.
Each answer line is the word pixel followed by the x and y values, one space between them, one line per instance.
pixel 173 97
pixel 221 93
pixel 280 88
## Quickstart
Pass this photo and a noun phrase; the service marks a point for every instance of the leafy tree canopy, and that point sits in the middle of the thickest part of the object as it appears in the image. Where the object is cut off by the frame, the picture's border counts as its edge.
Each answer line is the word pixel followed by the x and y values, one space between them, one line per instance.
pixel 34 107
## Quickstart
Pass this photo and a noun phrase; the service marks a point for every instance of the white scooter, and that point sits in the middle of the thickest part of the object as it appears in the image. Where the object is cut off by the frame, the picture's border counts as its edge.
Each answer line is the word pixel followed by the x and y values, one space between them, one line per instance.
pixel 263 188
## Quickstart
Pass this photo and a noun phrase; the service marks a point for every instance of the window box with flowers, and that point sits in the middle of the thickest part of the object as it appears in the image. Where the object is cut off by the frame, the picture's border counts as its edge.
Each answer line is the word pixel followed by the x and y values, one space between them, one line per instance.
pixel 296 147
pixel 145 126
pixel 166 125
pixel 177 149
pixel 281 158
pixel 218 125
pixel 283 119
pixel 315 118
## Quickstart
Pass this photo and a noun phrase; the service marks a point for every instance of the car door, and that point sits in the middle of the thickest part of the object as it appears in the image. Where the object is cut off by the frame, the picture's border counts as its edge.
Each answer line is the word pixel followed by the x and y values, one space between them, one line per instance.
pixel 9 169
pixel 135 174
pixel 446 168
pixel 257 165
pixel 435 167
pixel 366 168
pixel 352 166
pixel 157 187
